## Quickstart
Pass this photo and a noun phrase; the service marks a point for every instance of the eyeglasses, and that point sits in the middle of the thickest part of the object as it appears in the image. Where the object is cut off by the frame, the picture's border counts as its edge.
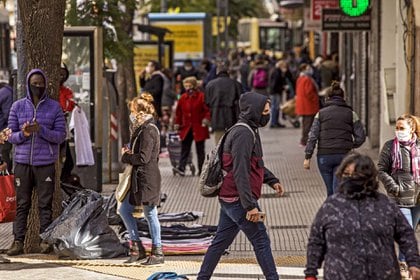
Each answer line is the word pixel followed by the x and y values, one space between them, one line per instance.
pixel 349 175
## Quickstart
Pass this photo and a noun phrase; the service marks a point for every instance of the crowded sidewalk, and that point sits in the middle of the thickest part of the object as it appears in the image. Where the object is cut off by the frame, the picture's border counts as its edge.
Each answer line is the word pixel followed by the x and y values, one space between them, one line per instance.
pixel 288 223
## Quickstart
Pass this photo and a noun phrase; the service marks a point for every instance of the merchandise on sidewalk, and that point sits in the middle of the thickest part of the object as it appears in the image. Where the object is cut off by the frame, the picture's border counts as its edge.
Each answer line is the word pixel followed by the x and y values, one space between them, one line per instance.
pixel 174 149
pixel 7 197
pixel 82 143
pixel 82 230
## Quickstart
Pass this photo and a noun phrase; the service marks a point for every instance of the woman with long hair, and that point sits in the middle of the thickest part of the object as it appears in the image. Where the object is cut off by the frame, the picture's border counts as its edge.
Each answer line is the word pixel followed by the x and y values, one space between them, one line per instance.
pixel 399 170
pixel 146 179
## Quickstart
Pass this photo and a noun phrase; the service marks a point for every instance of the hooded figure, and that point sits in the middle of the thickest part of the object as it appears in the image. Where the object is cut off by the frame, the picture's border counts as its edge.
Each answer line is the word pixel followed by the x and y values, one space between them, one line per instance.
pixel 38 128
pixel 241 188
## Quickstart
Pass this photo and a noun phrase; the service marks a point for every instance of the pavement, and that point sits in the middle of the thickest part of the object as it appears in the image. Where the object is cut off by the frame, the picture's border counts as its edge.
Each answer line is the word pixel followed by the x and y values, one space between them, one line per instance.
pixel 288 222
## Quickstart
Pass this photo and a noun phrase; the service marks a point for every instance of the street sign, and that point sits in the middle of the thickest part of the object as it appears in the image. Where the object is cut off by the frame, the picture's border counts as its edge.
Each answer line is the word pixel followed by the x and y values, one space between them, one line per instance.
pixel 336 20
pixel 354 8
pixel 318 5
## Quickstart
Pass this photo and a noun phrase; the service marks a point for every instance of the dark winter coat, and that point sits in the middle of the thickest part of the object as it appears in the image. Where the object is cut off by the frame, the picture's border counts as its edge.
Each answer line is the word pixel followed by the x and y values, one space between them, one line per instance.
pixel 6 100
pixel 146 178
pixel 222 98
pixel 336 128
pixel 400 186
pixel 190 113
pixel 40 148
pixel 354 238
pixel 243 157
pixel 278 80
pixel 154 86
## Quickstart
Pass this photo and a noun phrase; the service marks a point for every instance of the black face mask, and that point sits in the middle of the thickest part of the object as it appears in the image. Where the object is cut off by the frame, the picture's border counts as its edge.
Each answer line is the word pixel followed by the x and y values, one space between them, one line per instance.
pixel 36 91
pixel 264 120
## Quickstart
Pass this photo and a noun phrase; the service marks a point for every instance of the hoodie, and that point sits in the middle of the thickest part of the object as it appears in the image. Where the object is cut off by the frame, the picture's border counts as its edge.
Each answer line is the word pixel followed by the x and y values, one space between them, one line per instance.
pixel 243 155
pixel 40 148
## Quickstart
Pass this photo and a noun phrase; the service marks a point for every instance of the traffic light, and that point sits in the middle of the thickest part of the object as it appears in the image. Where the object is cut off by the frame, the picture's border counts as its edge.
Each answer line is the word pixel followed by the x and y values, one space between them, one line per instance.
pixel 354 8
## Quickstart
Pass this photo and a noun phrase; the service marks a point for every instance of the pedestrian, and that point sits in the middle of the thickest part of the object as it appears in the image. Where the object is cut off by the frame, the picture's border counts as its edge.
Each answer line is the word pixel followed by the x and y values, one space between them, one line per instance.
pixel 152 81
pixel 241 188
pixel 146 179
pixel 337 130
pixel 192 119
pixel 38 128
pixel 279 81
pixel 6 100
pixel 222 98
pixel 307 101
pixel 354 231
pixel 258 78
pixel 66 99
pixel 399 171
pixel 183 72
pixel 4 134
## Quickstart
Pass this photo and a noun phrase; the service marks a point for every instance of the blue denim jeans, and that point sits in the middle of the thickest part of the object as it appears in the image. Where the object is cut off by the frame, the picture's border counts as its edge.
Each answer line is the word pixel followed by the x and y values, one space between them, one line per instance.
pixel 126 213
pixel 275 111
pixel 151 215
pixel 413 216
pixel 232 219
pixel 327 165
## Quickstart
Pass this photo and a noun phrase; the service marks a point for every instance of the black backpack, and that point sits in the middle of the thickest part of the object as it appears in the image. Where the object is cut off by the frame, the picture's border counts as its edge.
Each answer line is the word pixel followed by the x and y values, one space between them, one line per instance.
pixel 212 174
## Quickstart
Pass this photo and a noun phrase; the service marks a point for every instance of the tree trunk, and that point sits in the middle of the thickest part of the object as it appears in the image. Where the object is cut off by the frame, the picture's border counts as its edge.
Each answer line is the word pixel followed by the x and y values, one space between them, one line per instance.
pixel 126 83
pixel 40 36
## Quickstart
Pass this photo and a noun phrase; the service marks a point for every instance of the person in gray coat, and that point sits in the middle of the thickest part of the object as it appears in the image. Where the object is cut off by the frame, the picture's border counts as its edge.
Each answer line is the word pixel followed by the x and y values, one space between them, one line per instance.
pixel 354 231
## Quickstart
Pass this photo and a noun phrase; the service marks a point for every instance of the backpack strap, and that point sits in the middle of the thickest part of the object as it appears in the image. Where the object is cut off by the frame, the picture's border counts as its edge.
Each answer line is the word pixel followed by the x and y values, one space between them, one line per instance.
pixel 247 126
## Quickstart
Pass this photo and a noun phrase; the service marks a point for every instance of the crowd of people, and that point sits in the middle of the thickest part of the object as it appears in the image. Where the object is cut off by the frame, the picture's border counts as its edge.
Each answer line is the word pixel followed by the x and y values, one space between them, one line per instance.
pixel 354 231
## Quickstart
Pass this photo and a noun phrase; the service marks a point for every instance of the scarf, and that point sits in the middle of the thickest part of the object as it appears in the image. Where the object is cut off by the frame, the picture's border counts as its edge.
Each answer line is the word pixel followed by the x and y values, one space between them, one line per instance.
pixel 134 126
pixel 414 153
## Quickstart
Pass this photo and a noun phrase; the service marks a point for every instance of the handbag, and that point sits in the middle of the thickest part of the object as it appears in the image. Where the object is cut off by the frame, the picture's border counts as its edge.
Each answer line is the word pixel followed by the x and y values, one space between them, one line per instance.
pixel 7 197
pixel 124 183
pixel 288 108
pixel 124 179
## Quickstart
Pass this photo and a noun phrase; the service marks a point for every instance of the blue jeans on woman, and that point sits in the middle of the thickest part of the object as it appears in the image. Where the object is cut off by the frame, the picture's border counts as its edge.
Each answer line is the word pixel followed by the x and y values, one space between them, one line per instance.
pixel 151 215
pixel 413 217
pixel 232 219
pixel 275 110
pixel 327 165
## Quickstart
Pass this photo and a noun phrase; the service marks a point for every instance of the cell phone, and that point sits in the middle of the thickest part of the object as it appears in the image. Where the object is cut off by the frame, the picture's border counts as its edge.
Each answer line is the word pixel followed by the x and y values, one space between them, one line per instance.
pixel 261 216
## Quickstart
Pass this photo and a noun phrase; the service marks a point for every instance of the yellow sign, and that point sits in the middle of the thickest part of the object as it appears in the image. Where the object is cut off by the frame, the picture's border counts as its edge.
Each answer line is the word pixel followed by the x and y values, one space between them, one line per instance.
pixel 143 53
pixel 188 38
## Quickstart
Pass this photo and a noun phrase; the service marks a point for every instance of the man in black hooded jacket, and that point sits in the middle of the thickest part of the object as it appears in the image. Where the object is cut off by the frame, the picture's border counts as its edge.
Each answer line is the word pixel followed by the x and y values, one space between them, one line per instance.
pixel 241 188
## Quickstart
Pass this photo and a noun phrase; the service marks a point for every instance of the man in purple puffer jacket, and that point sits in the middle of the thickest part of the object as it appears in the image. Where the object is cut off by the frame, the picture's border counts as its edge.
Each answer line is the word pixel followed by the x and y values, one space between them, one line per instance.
pixel 38 128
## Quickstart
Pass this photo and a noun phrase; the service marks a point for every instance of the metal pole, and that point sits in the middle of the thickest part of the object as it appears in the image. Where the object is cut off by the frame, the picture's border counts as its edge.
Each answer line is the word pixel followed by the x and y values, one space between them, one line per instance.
pixel 163 6
pixel 109 144
pixel 218 28
pixel 226 8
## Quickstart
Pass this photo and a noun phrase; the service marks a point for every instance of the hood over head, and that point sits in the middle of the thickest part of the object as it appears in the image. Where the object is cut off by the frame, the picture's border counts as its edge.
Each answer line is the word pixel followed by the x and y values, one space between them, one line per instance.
pixel 32 72
pixel 252 105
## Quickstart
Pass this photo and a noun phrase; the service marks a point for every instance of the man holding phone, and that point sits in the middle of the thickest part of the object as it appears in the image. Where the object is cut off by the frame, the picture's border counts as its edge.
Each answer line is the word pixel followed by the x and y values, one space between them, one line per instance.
pixel 38 128
pixel 241 188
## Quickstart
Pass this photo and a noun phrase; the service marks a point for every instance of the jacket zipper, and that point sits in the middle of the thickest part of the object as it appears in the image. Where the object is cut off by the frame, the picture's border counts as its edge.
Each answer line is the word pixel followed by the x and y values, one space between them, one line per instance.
pixel 33 134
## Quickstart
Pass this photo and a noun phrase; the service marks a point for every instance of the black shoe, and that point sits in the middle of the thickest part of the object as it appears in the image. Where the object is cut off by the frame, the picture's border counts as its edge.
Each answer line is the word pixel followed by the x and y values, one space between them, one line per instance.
pixel 178 171
pixel 4 260
pixel 15 249
pixel 46 248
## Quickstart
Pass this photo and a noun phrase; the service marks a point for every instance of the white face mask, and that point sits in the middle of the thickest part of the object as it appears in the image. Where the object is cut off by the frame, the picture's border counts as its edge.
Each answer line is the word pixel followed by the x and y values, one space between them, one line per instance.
pixel 133 118
pixel 403 135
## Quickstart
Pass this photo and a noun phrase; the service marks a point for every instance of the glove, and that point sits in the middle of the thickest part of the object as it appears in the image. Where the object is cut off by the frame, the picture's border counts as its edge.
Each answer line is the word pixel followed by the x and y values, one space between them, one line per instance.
pixel 176 127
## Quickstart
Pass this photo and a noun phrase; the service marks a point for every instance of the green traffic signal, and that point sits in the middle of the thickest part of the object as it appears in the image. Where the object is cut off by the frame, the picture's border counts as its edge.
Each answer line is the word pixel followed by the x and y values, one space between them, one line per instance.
pixel 354 8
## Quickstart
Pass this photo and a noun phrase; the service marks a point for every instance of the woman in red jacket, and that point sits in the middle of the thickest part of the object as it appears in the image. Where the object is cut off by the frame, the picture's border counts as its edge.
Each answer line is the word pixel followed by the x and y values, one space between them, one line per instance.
pixel 191 120
pixel 307 100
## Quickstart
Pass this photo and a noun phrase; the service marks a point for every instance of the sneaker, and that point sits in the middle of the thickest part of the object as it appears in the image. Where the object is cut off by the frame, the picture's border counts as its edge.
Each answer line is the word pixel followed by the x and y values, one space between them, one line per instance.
pixel 178 171
pixel 15 249
pixel 45 247
pixel 4 260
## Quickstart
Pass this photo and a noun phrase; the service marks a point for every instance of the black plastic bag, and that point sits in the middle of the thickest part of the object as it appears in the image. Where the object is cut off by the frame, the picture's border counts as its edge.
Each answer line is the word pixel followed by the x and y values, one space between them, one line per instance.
pixel 82 230
pixel 110 207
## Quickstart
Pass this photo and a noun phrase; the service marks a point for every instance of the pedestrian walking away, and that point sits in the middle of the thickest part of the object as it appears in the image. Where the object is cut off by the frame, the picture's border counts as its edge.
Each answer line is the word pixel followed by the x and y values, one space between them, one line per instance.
pixel 354 231
pixel 38 128
pixel 337 130
pixel 241 188
pixel 146 180
pixel 399 171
